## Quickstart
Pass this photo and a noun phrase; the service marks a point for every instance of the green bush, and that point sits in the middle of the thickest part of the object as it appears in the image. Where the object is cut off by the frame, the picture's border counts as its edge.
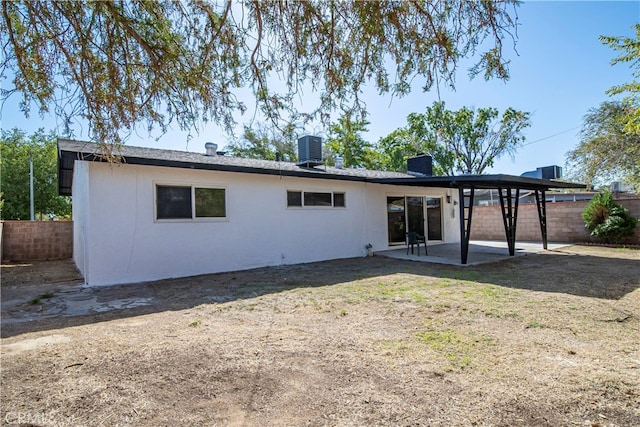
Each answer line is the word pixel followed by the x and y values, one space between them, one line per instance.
pixel 607 220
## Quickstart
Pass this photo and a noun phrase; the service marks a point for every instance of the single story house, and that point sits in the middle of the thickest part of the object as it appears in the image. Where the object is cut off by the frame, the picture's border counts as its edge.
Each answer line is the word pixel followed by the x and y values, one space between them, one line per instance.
pixel 162 213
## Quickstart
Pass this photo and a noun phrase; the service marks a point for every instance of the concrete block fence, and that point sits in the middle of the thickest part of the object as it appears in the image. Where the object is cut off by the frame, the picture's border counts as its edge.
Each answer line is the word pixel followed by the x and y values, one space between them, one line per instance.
pixel 564 222
pixel 36 240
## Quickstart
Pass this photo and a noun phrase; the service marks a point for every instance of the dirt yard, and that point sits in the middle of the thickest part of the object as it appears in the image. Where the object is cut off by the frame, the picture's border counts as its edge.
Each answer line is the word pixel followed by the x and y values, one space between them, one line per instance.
pixel 542 340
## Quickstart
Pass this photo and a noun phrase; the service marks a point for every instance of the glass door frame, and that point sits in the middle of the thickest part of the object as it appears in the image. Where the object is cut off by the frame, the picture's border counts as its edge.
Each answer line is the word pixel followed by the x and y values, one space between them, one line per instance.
pixel 405 218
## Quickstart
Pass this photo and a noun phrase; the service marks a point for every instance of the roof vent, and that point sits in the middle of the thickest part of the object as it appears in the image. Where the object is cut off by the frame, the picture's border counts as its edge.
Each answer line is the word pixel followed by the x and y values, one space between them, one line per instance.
pixel 420 165
pixel 211 149
pixel 310 151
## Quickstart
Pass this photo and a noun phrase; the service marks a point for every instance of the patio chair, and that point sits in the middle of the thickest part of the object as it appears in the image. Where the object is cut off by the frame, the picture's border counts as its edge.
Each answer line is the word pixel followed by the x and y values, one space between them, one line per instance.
pixel 414 239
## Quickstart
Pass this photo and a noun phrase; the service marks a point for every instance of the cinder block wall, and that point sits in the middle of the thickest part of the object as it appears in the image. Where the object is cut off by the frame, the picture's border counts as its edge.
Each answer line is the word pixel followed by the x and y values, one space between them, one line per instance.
pixel 36 240
pixel 564 222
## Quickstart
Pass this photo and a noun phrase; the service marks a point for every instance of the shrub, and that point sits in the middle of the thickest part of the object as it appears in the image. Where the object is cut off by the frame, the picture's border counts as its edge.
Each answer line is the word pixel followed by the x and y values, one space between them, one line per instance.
pixel 607 220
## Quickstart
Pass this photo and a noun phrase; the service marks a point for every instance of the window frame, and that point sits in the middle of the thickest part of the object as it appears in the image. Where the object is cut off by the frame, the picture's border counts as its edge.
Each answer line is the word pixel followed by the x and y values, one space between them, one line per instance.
pixel 323 207
pixel 193 187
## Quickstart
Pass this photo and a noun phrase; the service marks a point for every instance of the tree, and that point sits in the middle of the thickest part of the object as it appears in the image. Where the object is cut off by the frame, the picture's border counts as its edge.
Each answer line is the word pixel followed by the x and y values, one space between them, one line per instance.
pixel 16 148
pixel 630 49
pixel 607 220
pixel 345 140
pixel 122 64
pixel 266 143
pixel 464 141
pixel 607 150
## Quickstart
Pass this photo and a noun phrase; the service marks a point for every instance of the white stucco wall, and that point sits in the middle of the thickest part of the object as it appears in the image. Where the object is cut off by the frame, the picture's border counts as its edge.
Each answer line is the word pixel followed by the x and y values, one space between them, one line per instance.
pixel 118 239
pixel 80 212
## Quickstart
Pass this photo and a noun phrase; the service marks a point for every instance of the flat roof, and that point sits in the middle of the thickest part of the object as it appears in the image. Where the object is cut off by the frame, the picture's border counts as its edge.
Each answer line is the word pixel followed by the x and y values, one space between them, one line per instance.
pixel 69 151
pixel 481 182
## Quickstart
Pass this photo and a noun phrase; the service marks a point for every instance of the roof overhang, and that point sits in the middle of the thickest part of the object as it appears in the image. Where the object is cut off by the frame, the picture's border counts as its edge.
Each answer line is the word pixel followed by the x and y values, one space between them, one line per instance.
pixel 486 182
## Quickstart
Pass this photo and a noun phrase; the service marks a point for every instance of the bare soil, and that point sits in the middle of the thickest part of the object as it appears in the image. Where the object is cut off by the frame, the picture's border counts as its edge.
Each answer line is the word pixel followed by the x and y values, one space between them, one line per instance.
pixel 541 340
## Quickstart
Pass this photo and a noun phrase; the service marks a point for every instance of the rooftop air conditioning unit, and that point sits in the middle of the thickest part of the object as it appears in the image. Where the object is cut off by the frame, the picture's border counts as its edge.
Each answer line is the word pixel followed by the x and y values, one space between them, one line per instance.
pixel 310 151
pixel 551 172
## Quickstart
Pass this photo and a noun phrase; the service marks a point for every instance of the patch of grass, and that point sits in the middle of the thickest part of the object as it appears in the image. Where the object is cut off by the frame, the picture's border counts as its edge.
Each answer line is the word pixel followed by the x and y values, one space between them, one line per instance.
pixel 499 314
pixel 535 324
pixel 39 299
pixel 195 322
pixel 417 297
pixel 444 283
pixel 483 293
pixel 342 312
pixel 440 307
pixel 471 276
pixel 458 348
pixel 625 249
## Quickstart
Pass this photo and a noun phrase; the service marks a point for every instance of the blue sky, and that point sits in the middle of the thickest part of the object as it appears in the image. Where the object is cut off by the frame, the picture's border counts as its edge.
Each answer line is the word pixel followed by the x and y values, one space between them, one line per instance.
pixel 559 72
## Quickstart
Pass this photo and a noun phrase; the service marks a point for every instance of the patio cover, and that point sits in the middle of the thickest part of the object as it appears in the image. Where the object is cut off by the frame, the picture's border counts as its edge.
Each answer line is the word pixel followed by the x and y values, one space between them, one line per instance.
pixel 508 187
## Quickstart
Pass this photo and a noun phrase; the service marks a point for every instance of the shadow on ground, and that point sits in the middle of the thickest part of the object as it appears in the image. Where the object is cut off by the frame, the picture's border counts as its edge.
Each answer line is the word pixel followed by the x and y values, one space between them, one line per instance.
pixel 29 307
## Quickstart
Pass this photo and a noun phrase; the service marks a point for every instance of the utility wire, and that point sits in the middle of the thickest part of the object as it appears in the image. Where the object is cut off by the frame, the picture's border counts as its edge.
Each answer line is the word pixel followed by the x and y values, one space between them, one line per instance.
pixel 550 136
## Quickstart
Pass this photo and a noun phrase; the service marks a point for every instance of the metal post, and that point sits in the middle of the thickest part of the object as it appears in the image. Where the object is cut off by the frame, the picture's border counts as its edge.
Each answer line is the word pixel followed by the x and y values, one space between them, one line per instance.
pixel 466 211
pixel 32 208
pixel 464 248
pixel 541 202
pixel 509 207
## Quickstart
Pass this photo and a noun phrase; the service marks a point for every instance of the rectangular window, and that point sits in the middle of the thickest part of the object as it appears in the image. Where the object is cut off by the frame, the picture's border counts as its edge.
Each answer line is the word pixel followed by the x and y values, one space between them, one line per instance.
pixel 296 198
pixel 189 202
pixel 210 203
pixel 317 199
pixel 173 202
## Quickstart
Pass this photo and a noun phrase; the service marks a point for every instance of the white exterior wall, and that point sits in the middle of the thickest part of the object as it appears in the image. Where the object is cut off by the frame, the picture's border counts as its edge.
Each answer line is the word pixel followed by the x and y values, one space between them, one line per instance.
pixel 80 212
pixel 118 240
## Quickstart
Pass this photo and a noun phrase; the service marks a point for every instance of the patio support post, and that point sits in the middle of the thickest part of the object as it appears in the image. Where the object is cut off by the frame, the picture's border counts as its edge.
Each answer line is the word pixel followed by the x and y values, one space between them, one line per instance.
pixel 510 215
pixel 541 202
pixel 465 222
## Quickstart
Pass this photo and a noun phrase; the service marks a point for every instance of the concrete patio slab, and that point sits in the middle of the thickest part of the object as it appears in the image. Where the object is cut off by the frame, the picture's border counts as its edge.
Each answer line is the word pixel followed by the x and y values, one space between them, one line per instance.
pixel 480 252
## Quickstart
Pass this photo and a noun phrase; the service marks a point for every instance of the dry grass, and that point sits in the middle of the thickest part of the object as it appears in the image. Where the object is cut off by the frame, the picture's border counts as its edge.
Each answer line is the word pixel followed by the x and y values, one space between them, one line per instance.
pixel 549 339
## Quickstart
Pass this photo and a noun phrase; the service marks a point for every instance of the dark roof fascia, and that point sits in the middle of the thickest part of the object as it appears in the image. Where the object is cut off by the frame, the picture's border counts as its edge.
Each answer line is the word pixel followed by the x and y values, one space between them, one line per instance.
pixel 480 182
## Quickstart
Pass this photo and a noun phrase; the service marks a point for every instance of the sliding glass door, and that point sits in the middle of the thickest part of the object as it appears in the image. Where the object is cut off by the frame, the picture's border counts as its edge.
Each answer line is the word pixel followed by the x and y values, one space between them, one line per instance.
pixel 415 215
pixel 407 213
pixel 434 218
pixel 396 220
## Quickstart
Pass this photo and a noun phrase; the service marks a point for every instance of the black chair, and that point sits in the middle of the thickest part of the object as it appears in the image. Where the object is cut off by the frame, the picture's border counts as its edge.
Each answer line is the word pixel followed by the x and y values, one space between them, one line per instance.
pixel 414 238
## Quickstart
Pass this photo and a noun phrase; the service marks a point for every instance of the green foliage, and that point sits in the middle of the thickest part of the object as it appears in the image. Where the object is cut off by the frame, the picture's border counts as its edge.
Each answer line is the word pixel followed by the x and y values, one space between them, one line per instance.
pixel 607 150
pixel 630 53
pixel 607 220
pixel 344 140
pixel 265 142
pixel 463 141
pixel 16 147
pixel 124 64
